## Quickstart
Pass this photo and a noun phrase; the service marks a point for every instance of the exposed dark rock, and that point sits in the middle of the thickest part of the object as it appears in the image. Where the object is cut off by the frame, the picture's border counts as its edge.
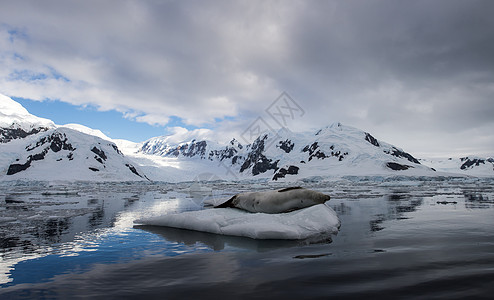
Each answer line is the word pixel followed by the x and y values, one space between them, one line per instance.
pixel 228 152
pixel 100 153
pixel 257 160
pixel 397 167
pixel 318 154
pixel 99 159
pixel 9 134
pixel 39 156
pixel 235 159
pixel 116 149
pixel 57 141
pixel 286 145
pixel 133 169
pixel 371 139
pixel 310 148
pixel 263 164
pixel 291 170
pixel 93 169
pixel 470 162
pixel 54 142
pixel 315 152
pixel 189 150
pixel 197 148
pixel 398 153
pixel 16 168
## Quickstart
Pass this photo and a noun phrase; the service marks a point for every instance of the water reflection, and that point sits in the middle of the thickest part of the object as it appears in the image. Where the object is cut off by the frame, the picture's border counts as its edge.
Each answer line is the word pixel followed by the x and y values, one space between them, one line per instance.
pixel 342 209
pixel 37 220
pixel 41 220
pixel 477 201
pixel 97 216
pixel 51 231
pixel 219 242
pixel 399 206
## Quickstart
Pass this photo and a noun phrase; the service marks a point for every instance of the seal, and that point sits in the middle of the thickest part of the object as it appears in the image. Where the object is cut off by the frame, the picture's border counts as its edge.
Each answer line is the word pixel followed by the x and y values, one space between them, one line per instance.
pixel 275 202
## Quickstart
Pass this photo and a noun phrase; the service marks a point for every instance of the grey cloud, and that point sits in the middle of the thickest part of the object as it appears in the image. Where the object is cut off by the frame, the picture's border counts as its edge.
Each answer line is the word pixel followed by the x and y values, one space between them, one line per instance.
pixel 417 65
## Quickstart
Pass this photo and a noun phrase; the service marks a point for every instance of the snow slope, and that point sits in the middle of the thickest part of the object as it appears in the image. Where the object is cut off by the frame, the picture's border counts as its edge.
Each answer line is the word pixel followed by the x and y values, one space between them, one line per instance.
pixel 65 154
pixel 12 112
pixel 16 122
pixel 468 165
pixel 87 130
pixel 33 148
pixel 335 150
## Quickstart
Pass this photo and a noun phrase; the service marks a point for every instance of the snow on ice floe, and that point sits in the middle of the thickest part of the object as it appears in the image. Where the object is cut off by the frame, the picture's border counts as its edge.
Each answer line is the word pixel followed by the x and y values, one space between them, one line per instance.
pixel 314 222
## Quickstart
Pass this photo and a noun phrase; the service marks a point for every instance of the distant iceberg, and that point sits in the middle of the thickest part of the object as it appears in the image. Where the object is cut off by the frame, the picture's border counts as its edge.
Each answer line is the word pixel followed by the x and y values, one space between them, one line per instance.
pixel 315 222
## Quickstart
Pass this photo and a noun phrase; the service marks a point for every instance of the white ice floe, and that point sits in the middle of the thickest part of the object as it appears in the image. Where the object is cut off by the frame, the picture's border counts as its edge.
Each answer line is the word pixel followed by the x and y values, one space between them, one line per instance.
pixel 309 223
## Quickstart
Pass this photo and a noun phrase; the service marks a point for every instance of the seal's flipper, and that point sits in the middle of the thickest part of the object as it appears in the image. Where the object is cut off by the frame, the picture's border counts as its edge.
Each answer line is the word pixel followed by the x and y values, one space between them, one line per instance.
pixel 290 188
pixel 227 203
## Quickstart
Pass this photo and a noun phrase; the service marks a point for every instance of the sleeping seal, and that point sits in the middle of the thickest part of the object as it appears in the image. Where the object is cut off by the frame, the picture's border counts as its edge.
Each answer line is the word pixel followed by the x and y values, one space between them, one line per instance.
pixel 274 202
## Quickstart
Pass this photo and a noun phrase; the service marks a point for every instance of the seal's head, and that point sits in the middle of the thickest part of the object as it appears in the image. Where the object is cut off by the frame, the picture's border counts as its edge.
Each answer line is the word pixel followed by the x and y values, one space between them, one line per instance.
pixel 326 197
pixel 319 198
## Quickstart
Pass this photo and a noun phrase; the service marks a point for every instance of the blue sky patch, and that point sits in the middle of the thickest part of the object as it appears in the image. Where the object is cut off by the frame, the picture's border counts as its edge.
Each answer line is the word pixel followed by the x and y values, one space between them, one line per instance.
pixel 110 123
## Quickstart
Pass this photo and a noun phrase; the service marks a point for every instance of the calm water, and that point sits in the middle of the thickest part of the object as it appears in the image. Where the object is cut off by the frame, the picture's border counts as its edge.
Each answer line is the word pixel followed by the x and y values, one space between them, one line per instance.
pixel 398 239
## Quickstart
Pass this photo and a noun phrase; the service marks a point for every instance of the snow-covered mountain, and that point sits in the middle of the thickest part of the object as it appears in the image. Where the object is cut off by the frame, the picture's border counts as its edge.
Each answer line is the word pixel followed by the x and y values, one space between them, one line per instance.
pixel 16 122
pixel 33 148
pixel 331 151
pixel 470 165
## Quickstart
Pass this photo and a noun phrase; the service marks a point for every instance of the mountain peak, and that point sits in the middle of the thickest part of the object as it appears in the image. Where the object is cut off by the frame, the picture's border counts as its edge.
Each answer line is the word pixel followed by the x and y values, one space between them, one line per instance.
pixel 335 125
pixel 87 130
pixel 335 150
pixel 14 115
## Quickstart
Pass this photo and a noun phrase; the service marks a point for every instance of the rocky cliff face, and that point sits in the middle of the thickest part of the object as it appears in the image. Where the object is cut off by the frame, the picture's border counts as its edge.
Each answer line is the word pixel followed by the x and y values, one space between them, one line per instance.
pixel 470 163
pixel 13 132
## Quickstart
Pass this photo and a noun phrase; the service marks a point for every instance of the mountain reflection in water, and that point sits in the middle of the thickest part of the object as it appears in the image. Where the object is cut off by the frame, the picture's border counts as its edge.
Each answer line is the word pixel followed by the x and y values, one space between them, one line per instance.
pixel 405 239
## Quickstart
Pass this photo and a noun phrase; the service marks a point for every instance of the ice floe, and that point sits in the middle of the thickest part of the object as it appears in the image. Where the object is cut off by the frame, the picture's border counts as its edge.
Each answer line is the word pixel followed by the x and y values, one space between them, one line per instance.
pixel 314 222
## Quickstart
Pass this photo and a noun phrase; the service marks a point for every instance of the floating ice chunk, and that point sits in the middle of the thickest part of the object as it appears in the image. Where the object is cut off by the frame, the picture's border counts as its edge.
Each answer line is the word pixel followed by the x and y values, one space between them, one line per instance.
pixel 308 223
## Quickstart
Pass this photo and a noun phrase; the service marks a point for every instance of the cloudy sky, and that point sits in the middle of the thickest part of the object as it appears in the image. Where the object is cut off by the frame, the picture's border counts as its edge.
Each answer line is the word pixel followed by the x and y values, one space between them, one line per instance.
pixel 417 74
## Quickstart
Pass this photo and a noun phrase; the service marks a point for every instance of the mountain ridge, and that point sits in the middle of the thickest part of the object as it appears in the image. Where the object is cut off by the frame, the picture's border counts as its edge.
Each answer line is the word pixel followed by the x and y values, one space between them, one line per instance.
pixel 285 154
pixel 33 148
pixel 331 151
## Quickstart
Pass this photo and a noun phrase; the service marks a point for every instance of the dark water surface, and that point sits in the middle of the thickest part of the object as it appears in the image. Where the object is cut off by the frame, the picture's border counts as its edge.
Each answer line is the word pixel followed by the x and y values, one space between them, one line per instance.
pixel 399 239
